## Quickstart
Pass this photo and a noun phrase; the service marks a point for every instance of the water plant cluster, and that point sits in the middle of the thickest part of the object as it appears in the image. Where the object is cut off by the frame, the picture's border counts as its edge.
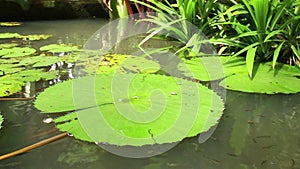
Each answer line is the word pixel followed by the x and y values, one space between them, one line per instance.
pixel 255 39
pixel 260 30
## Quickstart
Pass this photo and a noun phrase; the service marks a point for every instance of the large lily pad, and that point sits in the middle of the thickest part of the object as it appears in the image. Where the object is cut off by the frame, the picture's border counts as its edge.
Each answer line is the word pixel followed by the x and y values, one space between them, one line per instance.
pixel 211 68
pixel 282 79
pixel 155 108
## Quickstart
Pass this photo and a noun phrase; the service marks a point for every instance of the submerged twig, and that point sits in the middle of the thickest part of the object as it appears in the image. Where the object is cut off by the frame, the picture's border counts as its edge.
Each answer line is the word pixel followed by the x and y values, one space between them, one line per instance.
pixel 45 133
pixel 17 98
pixel 33 146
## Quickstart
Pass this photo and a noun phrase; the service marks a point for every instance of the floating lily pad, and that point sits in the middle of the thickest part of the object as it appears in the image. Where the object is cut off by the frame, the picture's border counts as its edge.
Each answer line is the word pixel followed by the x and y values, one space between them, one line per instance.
pixel 111 63
pixel 100 64
pixel 212 68
pixel 70 58
pixel 35 37
pixel 39 61
pixel 156 109
pixel 9 68
pixel 282 79
pixel 57 48
pixel 9 86
pixel 140 65
pixel 8 45
pixel 16 52
pixel 9 24
pixel 12 83
pixel 9 35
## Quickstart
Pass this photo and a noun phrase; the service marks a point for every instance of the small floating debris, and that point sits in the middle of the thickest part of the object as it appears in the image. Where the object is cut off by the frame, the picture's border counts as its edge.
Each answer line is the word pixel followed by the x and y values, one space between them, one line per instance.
pixel 48 120
pixel 250 122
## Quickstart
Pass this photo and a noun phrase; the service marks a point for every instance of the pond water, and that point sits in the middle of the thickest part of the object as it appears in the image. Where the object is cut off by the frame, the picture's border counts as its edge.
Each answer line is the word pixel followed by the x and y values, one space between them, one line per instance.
pixel 256 131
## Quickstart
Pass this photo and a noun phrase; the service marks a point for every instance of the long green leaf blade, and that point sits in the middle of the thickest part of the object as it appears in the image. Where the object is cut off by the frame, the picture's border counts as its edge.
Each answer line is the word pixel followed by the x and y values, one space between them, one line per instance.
pixel 250 60
pixel 276 54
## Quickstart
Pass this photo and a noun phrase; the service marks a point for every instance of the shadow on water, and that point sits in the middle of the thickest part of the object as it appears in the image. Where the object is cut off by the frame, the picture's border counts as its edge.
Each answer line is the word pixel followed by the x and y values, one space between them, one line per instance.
pixel 256 131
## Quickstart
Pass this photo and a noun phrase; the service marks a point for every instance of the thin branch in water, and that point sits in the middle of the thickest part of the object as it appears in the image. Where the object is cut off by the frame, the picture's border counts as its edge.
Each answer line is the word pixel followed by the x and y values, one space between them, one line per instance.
pixel 33 146
pixel 17 99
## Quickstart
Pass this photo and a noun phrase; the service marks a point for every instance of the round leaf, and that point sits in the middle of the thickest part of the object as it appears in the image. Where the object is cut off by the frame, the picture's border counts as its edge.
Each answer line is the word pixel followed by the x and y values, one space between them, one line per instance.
pixel 16 52
pixel 155 108
pixel 9 35
pixel 211 68
pixel 282 79
pixel 40 61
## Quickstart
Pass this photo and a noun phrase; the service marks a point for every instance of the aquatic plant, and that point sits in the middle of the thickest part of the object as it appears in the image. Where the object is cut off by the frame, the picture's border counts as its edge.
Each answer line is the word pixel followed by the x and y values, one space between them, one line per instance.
pixel 31 37
pixel 123 8
pixel 25 64
pixel 156 108
pixel 282 79
pixel 58 48
pixel 263 29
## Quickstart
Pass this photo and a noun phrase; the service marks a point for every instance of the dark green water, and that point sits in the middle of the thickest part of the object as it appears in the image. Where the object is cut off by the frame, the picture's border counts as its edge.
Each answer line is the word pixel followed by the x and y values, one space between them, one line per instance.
pixel 255 132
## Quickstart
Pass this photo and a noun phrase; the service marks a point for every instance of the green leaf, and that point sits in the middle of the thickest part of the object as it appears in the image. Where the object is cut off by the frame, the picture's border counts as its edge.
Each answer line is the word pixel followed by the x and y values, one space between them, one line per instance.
pixel 9 68
pixel 100 64
pixel 151 109
pixel 9 86
pixel 8 45
pixel 35 37
pixel 12 83
pixel 9 35
pixel 295 51
pixel 39 61
pixel 140 65
pixel 57 48
pixel 282 79
pixel 16 52
pixel 212 68
pixel 115 62
pixel 276 54
pixel 250 60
